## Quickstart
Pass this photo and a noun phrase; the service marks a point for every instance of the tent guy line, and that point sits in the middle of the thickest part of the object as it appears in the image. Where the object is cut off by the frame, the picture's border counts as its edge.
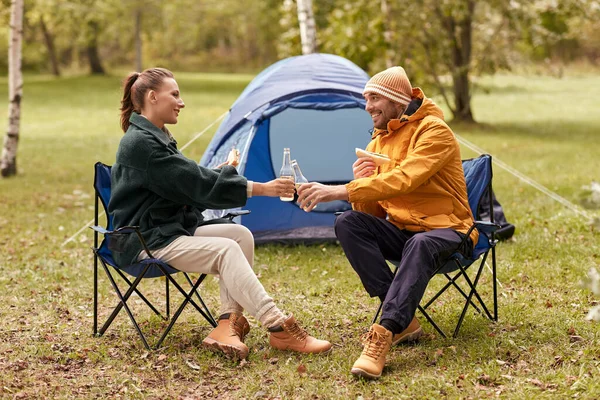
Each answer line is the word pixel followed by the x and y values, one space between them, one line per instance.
pixel 88 224
pixel 526 179
pixel 462 140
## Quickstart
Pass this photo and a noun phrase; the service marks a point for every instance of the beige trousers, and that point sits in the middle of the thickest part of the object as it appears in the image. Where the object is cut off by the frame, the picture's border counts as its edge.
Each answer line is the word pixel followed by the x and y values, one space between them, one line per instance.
pixel 226 250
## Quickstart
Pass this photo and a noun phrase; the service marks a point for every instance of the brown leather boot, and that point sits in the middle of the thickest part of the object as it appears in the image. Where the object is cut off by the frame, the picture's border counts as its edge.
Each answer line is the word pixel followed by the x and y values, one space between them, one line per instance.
pixel 293 337
pixel 412 333
pixel 228 336
pixel 377 343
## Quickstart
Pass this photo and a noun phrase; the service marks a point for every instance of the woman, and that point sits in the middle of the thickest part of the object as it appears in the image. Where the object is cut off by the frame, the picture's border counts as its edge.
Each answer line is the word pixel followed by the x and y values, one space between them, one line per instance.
pixel 164 193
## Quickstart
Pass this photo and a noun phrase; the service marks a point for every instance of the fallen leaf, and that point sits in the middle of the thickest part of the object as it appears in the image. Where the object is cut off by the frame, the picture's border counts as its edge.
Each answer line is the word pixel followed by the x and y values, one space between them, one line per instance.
pixel 301 369
pixel 192 365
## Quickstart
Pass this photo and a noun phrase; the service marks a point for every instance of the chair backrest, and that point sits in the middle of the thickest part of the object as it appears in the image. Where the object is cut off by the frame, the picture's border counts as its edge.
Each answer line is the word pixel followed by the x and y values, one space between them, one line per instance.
pixel 102 186
pixel 478 177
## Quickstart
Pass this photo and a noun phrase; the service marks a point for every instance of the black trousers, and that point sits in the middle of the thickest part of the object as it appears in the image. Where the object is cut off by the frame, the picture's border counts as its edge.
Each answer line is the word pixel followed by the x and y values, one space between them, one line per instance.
pixel 369 241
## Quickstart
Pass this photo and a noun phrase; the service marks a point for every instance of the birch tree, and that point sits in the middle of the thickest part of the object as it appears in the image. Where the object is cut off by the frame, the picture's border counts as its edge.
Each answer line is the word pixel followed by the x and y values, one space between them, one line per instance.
pixel 308 31
pixel 8 161
pixel 138 39
pixel 388 34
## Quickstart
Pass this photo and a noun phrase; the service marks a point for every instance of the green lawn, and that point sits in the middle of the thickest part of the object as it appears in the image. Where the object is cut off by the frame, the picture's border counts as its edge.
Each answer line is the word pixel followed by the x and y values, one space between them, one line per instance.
pixel 542 347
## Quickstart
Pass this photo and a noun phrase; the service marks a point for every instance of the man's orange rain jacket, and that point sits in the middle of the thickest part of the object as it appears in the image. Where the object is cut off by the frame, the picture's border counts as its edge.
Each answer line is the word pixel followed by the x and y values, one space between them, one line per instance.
pixel 423 187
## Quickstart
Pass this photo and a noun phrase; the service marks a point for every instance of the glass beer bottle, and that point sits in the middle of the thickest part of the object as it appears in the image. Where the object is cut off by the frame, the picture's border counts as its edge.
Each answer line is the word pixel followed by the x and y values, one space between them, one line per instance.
pixel 299 178
pixel 286 171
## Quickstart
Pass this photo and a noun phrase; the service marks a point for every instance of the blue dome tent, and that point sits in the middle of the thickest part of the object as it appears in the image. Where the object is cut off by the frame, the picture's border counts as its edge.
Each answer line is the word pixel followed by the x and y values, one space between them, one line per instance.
pixel 312 104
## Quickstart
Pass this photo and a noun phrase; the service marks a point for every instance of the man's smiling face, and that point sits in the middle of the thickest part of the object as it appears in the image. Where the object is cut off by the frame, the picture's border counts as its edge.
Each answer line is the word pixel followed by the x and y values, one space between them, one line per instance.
pixel 382 110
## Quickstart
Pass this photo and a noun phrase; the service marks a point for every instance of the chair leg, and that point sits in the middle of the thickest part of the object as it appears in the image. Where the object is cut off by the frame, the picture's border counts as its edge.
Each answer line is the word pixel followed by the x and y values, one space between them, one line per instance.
pixel 473 285
pixel 95 293
pixel 123 304
pixel 212 320
pixel 451 282
pixel 430 320
pixel 188 298
pixel 167 300
pixel 206 315
pixel 495 283
pixel 141 296
pixel 377 313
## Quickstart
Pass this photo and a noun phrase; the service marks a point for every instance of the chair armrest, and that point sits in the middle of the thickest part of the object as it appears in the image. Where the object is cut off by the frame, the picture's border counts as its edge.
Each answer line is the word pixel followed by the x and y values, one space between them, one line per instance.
pixel 127 229
pixel 100 229
pixel 487 226
pixel 236 213
pixel 123 230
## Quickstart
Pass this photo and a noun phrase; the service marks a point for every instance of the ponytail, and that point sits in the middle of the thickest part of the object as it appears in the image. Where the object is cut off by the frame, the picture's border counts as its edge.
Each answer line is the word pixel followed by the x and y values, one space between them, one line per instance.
pixel 127 106
pixel 135 87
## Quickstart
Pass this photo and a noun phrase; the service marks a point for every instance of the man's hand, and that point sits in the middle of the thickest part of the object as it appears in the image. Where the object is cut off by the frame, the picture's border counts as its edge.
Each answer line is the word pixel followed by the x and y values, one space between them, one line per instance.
pixel 281 187
pixel 363 167
pixel 311 194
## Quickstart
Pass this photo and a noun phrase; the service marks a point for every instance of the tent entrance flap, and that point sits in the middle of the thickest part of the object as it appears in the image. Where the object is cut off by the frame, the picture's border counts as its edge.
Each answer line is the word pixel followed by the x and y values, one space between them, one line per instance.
pixel 322 142
pixel 312 104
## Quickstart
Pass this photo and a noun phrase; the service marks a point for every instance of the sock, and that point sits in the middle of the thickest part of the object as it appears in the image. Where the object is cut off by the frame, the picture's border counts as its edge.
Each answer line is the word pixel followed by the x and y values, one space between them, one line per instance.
pixel 277 328
pixel 391 325
pixel 273 318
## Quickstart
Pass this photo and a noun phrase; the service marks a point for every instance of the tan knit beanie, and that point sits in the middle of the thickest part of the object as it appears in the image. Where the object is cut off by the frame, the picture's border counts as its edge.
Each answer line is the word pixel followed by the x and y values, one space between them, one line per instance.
pixel 393 84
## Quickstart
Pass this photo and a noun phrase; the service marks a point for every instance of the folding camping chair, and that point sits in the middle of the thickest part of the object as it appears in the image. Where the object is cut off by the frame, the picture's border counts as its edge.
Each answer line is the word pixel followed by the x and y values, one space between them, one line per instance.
pixel 478 176
pixel 148 268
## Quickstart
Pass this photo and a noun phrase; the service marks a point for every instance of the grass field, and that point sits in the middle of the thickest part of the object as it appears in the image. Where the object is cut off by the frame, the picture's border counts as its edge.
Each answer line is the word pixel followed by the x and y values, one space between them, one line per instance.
pixel 541 347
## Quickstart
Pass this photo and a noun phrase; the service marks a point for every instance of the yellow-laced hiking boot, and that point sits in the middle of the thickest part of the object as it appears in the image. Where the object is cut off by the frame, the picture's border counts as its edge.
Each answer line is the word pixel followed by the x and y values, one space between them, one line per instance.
pixel 228 336
pixel 412 333
pixel 377 343
pixel 290 336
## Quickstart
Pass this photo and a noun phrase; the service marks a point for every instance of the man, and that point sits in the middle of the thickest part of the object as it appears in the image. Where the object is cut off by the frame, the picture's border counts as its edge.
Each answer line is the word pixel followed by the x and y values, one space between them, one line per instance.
pixel 413 209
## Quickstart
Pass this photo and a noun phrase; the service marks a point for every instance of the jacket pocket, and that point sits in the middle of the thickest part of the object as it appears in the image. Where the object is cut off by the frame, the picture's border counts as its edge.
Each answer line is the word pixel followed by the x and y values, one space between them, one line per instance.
pixel 162 216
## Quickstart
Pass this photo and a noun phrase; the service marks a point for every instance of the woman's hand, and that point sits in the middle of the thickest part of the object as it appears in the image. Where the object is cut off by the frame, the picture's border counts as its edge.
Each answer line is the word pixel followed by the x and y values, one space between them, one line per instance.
pixel 280 187
pixel 233 159
pixel 363 168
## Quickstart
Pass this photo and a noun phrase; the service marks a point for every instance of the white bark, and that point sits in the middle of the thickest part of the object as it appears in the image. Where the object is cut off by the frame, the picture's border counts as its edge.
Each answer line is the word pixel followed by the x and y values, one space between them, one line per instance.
pixel 387 33
pixel 138 39
pixel 8 160
pixel 308 30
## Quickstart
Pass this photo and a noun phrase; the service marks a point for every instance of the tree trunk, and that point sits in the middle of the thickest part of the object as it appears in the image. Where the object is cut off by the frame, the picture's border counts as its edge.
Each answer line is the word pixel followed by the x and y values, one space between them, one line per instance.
pixel 8 161
pixel 92 49
pixel 138 40
pixel 462 63
pixel 387 33
pixel 461 33
pixel 308 30
pixel 50 46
